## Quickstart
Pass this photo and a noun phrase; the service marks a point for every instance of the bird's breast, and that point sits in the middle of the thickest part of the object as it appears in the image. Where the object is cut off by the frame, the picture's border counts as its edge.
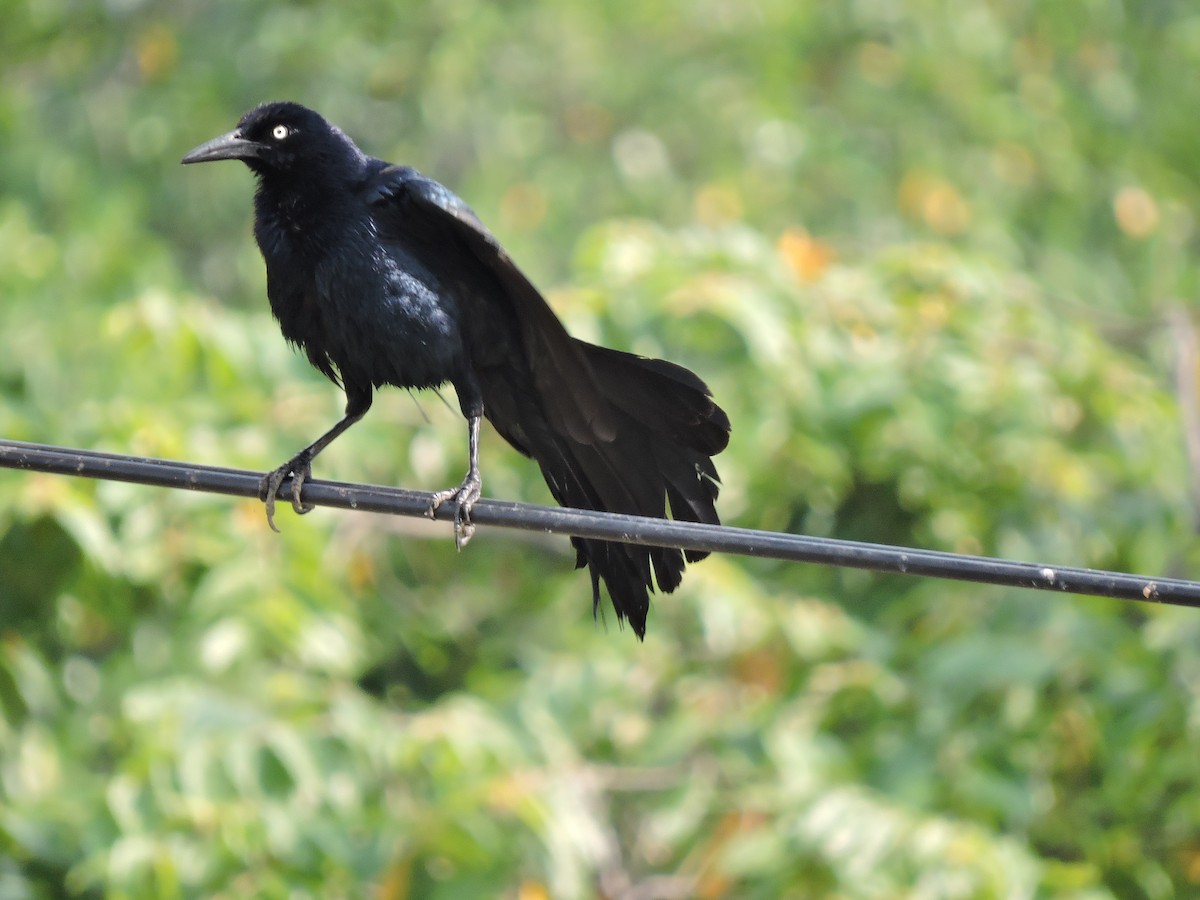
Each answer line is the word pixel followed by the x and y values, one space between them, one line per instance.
pixel 371 309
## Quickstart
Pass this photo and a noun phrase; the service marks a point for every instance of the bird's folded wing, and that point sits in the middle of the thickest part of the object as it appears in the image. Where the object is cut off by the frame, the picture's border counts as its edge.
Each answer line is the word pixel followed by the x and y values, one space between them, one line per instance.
pixel 565 378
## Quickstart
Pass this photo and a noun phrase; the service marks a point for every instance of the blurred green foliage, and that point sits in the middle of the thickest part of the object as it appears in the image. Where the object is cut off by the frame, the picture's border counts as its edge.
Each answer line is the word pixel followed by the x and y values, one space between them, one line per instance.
pixel 925 255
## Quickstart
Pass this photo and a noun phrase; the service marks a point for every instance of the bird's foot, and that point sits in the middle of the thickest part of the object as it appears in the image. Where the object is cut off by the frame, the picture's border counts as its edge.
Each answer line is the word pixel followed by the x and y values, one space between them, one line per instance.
pixel 465 496
pixel 299 468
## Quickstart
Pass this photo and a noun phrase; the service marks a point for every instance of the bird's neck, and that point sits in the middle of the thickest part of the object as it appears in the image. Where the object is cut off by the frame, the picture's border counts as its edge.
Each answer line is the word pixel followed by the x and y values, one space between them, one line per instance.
pixel 291 199
pixel 297 211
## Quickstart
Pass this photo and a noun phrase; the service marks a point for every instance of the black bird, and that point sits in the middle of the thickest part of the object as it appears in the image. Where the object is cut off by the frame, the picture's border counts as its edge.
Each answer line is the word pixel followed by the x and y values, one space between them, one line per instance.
pixel 384 276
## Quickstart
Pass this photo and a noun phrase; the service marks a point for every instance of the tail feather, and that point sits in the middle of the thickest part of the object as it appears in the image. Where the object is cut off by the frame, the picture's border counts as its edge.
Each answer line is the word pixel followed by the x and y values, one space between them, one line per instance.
pixel 661 428
pixel 662 396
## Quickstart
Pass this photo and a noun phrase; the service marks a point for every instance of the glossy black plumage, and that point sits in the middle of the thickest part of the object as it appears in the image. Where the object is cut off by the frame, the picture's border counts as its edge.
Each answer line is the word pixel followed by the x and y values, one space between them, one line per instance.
pixel 384 276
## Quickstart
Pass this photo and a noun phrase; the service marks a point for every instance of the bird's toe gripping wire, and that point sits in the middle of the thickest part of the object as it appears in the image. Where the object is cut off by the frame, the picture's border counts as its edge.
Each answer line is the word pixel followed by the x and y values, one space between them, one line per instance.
pixel 299 468
pixel 467 493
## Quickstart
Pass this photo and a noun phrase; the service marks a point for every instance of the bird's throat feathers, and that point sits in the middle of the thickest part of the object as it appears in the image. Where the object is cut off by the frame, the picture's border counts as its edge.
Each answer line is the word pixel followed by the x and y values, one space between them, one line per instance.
pixel 297 211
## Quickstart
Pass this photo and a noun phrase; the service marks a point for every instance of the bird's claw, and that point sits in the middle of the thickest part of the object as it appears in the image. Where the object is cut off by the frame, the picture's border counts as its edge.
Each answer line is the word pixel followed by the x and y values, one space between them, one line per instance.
pixel 299 469
pixel 465 495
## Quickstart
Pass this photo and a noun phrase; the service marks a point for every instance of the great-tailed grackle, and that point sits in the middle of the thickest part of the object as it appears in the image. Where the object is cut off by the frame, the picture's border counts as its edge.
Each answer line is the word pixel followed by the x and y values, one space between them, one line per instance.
pixel 383 276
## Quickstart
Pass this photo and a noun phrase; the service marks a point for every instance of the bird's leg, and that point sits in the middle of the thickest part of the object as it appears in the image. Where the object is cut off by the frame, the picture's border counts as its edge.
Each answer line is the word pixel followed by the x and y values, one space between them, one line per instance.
pixel 466 493
pixel 299 467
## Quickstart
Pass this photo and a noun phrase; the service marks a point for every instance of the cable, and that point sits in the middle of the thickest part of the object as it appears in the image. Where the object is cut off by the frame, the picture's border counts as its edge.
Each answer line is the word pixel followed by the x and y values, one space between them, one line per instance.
pixel 614 527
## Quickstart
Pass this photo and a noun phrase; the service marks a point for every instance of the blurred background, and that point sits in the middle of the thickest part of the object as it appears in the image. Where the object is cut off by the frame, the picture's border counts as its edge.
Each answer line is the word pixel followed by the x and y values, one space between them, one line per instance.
pixel 938 262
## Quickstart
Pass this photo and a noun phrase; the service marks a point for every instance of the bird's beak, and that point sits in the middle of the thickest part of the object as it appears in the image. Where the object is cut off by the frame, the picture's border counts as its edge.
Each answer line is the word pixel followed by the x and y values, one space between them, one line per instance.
pixel 227 146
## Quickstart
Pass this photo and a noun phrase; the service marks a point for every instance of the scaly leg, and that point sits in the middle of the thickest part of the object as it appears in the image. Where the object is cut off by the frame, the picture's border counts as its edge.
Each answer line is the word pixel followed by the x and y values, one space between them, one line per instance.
pixel 299 467
pixel 466 493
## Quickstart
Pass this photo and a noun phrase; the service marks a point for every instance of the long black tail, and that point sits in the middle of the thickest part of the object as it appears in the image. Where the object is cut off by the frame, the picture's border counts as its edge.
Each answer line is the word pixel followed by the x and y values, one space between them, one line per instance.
pixel 648 442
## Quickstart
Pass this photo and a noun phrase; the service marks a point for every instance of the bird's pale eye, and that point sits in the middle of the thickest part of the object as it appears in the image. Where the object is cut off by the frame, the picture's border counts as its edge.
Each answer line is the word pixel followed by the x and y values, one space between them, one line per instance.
pixel 279 132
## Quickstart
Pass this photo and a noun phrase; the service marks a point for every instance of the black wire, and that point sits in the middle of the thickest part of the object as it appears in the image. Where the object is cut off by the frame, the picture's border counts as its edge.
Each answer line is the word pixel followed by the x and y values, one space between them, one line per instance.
pixel 613 527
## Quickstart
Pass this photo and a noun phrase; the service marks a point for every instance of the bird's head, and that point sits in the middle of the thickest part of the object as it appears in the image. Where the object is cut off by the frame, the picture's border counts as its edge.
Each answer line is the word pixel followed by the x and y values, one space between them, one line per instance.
pixel 279 137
